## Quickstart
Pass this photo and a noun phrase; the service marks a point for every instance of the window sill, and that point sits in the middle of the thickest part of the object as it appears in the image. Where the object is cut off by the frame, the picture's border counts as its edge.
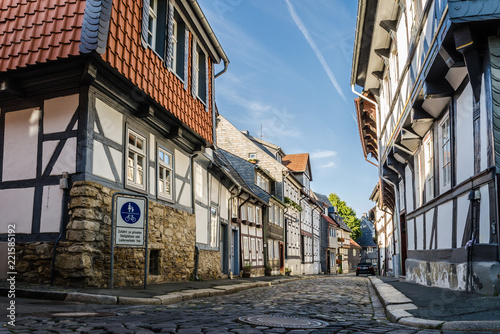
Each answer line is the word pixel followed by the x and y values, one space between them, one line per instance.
pixel 136 188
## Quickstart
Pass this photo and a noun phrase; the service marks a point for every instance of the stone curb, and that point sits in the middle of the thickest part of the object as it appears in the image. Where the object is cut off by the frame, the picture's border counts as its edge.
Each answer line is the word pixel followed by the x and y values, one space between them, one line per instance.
pixel 167 299
pixel 396 311
pixel 91 299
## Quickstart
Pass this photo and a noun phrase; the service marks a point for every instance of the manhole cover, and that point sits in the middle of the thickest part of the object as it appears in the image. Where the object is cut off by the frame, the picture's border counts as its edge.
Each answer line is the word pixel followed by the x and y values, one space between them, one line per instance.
pixel 82 314
pixel 283 321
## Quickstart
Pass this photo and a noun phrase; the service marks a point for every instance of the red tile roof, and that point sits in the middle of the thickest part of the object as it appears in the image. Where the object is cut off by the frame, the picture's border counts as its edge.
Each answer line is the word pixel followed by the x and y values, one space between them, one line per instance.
pixel 296 162
pixel 33 31
pixel 330 220
pixel 354 244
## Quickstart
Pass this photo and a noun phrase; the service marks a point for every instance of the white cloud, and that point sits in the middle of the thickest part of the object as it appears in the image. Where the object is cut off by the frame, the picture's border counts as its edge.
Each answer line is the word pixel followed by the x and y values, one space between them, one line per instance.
pixel 323 154
pixel 328 165
pixel 319 55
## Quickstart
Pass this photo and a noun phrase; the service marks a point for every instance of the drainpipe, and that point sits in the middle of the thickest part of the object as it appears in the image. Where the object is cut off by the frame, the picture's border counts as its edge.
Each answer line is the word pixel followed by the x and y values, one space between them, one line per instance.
pixel 396 190
pixel 64 185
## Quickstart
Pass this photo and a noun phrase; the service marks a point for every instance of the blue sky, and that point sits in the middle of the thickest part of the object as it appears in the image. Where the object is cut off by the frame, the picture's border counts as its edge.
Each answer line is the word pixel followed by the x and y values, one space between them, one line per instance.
pixel 290 76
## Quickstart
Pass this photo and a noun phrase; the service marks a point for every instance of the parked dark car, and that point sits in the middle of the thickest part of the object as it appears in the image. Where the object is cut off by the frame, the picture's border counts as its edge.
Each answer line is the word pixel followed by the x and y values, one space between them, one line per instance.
pixel 365 268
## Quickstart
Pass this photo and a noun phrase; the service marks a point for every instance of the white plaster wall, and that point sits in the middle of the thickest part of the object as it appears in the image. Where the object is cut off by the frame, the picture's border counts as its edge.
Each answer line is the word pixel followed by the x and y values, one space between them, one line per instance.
pixel 462 209
pixel 445 225
pixel 58 112
pixel 15 213
pixel 484 127
pixel 214 189
pixel 464 137
pixel 201 224
pixel 181 163
pixel 484 216
pixel 200 183
pixel 50 220
pixel 111 121
pixel 429 216
pixel 409 189
pixel 152 180
pixel 402 41
pixel 21 144
pixel 420 232
pixel 67 158
pixel 100 163
pixel 410 232
pixel 224 210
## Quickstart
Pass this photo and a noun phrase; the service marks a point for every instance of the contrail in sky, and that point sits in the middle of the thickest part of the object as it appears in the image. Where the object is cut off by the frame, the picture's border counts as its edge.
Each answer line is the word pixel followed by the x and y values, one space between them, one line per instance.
pixel 313 45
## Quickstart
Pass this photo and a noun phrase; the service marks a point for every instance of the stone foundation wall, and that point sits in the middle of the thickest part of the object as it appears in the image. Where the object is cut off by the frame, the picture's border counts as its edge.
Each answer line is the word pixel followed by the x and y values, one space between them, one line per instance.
pixel 453 275
pixel 83 259
pixel 209 265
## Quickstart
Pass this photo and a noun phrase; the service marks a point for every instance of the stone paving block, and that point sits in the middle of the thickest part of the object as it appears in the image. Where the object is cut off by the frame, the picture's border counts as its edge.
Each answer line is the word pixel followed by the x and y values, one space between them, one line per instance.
pixel 420 323
pixel 472 326
pixel 407 306
pixel 197 293
pixel 230 288
pixel 390 295
pixel 171 298
pixel 395 315
pixel 91 299
pixel 187 294
pixel 138 301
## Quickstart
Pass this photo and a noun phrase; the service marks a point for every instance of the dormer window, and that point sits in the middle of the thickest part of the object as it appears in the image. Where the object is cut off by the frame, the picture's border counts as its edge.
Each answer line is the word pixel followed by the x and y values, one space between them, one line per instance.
pixel 252 156
pixel 263 182
pixel 199 73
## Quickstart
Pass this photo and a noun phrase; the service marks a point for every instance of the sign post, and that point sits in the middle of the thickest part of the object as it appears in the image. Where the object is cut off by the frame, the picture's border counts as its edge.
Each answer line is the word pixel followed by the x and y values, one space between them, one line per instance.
pixel 129 227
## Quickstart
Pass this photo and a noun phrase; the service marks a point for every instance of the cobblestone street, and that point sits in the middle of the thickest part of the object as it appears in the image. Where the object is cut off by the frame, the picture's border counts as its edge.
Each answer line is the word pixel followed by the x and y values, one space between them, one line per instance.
pixel 347 303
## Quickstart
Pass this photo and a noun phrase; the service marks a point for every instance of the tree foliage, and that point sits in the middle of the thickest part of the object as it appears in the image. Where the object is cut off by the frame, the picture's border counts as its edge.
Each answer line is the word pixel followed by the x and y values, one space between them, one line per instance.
pixel 348 214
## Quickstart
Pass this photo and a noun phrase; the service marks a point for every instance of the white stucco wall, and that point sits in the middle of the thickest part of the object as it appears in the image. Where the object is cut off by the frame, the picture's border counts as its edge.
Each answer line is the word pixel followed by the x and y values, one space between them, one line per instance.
pixel 462 209
pixel 464 138
pixel 13 213
pixel 420 232
pixel 445 225
pixel 409 189
pixel 58 112
pixel 484 216
pixel 410 233
pixel 50 220
pixel 21 144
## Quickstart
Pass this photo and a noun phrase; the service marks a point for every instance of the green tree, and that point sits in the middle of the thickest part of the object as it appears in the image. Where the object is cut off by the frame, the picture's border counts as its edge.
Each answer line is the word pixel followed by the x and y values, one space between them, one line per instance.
pixel 348 214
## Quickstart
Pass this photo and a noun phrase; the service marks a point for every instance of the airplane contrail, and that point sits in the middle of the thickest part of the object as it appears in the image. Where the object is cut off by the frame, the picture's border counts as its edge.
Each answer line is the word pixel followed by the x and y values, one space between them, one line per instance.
pixel 313 45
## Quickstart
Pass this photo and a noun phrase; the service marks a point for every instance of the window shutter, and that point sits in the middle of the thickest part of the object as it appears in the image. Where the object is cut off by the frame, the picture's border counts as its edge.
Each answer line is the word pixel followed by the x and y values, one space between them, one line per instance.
pixel 194 64
pixel 145 22
pixel 186 58
pixel 170 33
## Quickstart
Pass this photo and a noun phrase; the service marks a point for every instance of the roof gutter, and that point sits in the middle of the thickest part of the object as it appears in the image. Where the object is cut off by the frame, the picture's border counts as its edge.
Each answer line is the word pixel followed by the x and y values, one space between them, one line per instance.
pixel 357 41
pixel 211 34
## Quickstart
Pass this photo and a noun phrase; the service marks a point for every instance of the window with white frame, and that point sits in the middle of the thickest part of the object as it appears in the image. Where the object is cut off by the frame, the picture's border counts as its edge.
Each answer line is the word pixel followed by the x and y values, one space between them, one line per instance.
pixel 136 160
pixel 235 208
pixel 243 212
pixel 258 215
pixel 165 171
pixel 213 227
pixel 270 249
pixel 401 195
pixel 178 46
pixel 156 16
pixel 429 166
pixel 263 182
pixel 251 216
pixel 152 21
pixel 271 213
pixel 200 74
pixel 252 156
pixel 445 153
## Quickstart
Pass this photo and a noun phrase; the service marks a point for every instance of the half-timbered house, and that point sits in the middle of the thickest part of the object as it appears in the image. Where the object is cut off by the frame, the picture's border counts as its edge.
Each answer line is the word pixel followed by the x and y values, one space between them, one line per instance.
pixel 98 97
pixel 428 114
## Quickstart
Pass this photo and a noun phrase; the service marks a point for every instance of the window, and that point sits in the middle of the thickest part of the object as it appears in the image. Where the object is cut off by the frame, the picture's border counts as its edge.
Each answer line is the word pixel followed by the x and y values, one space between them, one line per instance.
pixel 178 46
pixel 243 212
pixel 213 227
pixel 235 208
pixel 136 171
pixel 251 213
pixel 252 155
pixel 258 215
pixel 199 73
pixel 263 182
pixel 445 153
pixel 155 16
pixel 164 174
pixel 429 166
pixel 271 213
pixel 401 195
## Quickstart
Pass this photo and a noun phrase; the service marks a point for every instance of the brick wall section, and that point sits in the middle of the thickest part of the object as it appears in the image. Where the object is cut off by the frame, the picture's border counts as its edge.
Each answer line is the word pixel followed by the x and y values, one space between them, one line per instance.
pixel 84 258
pixel 229 138
pixel 146 69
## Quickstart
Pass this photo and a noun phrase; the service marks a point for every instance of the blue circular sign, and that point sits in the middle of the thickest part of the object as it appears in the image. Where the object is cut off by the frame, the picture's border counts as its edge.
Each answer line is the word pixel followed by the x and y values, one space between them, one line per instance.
pixel 130 212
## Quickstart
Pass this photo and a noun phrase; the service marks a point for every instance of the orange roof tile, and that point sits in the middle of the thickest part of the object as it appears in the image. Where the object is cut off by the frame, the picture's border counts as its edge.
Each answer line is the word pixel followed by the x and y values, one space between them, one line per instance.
pixel 296 162
pixel 33 31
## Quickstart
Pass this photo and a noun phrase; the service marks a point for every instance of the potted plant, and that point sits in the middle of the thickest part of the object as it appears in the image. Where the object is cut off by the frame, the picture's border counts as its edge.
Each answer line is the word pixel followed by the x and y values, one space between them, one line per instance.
pixel 288 271
pixel 247 270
